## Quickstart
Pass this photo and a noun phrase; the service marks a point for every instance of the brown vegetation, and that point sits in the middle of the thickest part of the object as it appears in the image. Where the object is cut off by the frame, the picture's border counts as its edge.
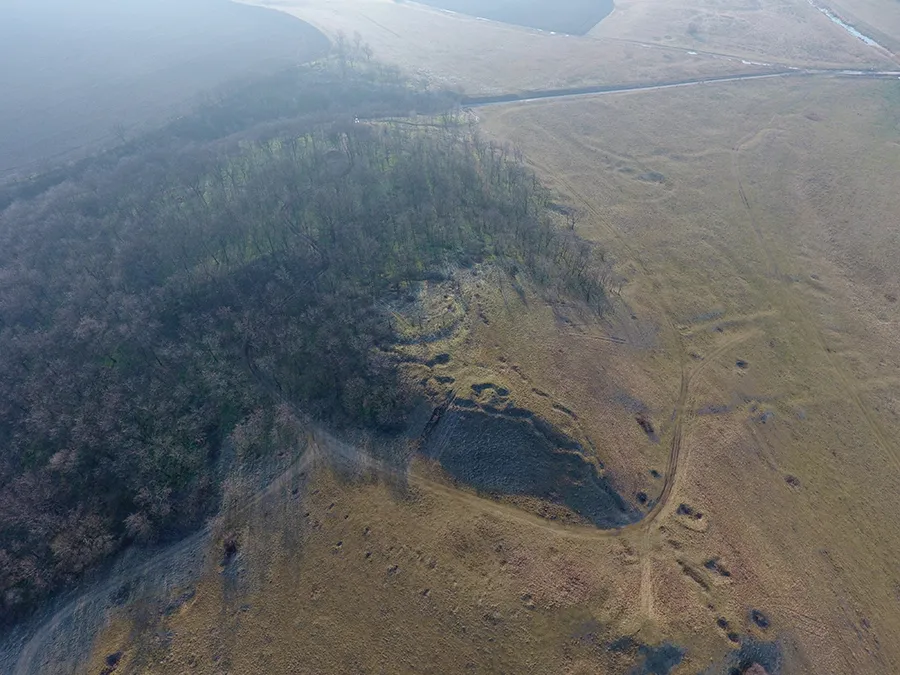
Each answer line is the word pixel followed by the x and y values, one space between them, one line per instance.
pixel 156 303
pixel 77 75
pixel 742 388
pixel 767 244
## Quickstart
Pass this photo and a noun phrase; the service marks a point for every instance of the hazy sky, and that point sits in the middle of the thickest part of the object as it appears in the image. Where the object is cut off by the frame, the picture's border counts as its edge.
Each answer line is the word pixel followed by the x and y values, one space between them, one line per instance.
pixel 75 69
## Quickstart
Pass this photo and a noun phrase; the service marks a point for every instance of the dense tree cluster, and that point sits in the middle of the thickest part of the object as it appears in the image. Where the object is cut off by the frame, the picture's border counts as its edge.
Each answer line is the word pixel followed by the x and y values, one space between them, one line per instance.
pixel 161 299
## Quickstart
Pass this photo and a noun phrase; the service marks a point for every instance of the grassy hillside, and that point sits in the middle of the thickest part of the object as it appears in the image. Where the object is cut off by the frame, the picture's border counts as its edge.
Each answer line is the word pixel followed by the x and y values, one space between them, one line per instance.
pixel 183 298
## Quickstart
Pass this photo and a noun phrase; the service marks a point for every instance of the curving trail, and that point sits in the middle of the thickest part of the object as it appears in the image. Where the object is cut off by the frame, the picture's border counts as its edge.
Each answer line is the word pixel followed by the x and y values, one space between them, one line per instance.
pixel 802 317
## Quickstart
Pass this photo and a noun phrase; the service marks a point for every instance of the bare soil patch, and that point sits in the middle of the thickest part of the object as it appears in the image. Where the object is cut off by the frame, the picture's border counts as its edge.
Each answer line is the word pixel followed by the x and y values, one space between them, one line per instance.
pixel 512 452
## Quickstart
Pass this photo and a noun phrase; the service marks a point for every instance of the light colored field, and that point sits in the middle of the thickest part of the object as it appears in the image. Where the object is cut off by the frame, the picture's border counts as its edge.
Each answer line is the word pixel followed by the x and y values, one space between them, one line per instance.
pixel 428 584
pixel 761 30
pixel 748 222
pixel 800 268
pixel 751 249
pixel 484 57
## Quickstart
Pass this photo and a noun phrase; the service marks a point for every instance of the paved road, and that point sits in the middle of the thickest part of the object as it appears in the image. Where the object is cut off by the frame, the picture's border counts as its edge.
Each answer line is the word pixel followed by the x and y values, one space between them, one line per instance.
pixel 596 90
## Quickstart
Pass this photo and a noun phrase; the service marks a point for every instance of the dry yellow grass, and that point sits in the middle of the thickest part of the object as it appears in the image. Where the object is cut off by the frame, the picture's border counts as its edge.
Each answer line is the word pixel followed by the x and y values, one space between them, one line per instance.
pixel 425 584
pixel 879 18
pixel 484 57
pixel 769 241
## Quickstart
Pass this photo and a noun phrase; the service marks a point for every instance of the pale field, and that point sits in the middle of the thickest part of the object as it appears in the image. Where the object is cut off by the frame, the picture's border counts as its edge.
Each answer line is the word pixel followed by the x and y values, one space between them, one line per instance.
pixel 771 240
pixel 804 275
pixel 762 30
pixel 485 57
